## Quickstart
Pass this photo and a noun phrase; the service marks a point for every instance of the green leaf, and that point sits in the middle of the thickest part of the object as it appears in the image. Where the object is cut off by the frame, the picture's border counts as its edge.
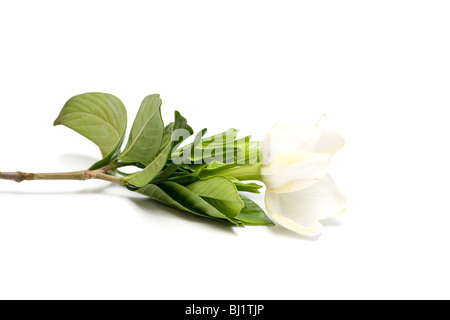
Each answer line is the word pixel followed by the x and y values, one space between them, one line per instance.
pixel 180 122
pixel 252 214
pixel 220 139
pixel 167 138
pixel 213 142
pixel 156 165
pixel 178 137
pixel 240 172
pixel 185 179
pixel 169 127
pixel 216 167
pixel 101 118
pixel 246 187
pixel 248 152
pixel 221 193
pixel 169 170
pixel 177 196
pixel 172 167
pixel 146 133
pixel 110 157
pixel 225 149
pixel 187 152
pixel 141 178
pixel 253 153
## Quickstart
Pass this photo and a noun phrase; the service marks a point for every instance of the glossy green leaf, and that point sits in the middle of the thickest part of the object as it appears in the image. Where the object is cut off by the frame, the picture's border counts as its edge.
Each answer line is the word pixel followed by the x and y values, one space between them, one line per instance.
pixel 221 193
pixel 146 133
pixel 101 118
pixel 177 196
pixel 141 178
pixel 252 214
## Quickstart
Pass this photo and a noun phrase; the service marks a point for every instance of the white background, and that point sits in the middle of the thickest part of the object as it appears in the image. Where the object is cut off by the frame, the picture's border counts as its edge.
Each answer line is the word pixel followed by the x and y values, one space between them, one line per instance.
pixel 380 70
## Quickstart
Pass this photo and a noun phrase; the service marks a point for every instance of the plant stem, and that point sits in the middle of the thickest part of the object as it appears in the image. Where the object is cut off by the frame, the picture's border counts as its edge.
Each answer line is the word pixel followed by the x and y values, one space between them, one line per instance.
pixel 100 174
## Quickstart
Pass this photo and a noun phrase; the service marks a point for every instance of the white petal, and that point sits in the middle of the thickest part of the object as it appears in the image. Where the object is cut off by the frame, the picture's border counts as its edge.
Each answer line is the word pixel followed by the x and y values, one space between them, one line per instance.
pixel 330 142
pixel 295 170
pixel 294 186
pixel 288 138
pixel 301 211
pixel 285 213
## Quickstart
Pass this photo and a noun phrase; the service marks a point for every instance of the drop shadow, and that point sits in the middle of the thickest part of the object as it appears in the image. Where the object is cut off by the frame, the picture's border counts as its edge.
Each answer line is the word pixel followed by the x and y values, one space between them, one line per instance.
pixel 283 232
pixel 74 159
pixel 99 190
pixel 332 222
pixel 329 222
pixel 146 205
pixel 152 207
pixel 149 206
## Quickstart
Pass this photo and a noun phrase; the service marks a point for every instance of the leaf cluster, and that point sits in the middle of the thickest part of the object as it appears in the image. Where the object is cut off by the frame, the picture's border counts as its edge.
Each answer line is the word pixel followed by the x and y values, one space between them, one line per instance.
pixel 196 178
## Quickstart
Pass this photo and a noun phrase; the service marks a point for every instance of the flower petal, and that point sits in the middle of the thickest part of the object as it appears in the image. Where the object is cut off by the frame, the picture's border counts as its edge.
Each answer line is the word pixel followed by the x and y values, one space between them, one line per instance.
pixel 295 170
pixel 301 211
pixel 287 138
pixel 330 142
pixel 285 213
pixel 294 186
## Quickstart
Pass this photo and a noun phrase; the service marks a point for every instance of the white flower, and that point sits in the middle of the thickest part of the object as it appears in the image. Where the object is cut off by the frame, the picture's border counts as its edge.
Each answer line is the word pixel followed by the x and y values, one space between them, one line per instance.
pixel 300 193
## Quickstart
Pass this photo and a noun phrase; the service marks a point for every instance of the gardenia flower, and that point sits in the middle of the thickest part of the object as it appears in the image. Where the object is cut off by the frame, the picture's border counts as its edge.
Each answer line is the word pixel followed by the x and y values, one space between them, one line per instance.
pixel 300 193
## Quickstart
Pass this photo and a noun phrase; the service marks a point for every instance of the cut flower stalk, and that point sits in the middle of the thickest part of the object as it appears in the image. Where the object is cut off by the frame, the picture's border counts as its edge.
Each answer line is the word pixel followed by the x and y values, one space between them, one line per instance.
pixel 207 177
pixel 99 174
